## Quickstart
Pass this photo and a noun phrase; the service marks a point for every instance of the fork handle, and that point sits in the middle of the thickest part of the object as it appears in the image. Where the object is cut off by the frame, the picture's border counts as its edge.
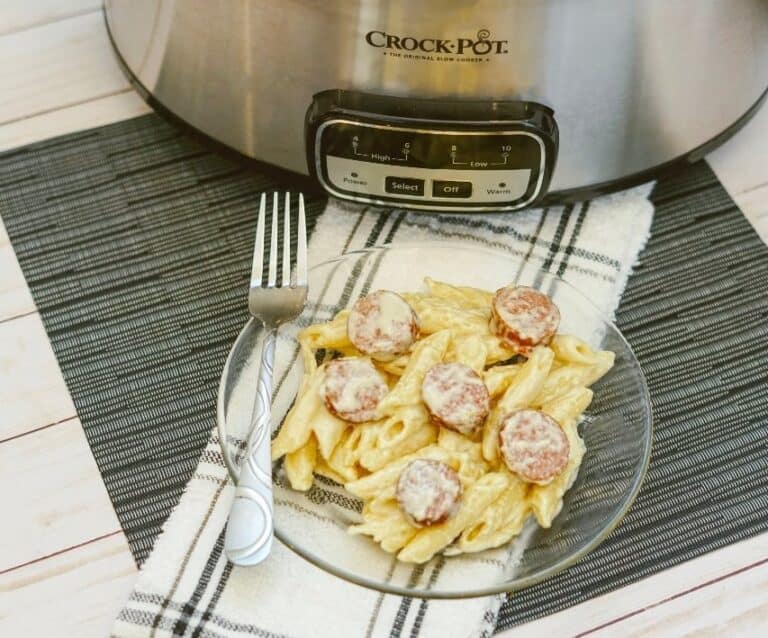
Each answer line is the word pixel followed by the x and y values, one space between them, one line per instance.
pixel 248 538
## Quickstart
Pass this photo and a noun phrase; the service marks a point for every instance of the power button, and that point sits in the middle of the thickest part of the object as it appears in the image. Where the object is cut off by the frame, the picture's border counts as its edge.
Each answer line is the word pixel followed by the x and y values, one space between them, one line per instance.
pixel 451 189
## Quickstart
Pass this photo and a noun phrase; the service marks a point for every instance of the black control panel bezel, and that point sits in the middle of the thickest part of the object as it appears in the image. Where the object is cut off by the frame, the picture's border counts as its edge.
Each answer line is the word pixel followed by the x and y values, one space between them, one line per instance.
pixel 527 120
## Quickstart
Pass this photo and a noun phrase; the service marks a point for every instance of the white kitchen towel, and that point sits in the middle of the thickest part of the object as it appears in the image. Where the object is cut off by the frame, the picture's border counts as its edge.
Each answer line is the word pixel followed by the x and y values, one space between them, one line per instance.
pixel 187 588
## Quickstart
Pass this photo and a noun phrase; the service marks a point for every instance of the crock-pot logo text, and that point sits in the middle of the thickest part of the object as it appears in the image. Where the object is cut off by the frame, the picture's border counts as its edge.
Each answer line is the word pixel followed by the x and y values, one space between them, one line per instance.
pixel 481 45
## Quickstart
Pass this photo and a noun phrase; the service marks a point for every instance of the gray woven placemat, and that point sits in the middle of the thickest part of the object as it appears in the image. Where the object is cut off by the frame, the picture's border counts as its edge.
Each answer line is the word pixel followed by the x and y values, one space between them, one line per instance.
pixel 136 242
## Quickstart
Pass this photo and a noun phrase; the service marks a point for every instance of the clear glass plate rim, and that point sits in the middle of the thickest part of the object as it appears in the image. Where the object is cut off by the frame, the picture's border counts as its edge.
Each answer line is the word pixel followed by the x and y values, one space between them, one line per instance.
pixel 512 585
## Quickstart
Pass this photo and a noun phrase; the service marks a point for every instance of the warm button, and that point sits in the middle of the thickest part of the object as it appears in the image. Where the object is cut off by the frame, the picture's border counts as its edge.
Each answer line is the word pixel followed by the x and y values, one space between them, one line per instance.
pixel 451 189
pixel 404 186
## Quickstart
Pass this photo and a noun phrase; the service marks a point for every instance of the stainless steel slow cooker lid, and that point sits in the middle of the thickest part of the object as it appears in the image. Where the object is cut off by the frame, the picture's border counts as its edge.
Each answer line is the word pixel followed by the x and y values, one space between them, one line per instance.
pixel 632 84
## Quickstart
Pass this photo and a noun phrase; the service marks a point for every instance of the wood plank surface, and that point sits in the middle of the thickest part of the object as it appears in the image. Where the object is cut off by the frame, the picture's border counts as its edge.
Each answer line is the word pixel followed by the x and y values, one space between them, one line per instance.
pixel 52 494
pixel 33 393
pixel 66 63
pixel 74 594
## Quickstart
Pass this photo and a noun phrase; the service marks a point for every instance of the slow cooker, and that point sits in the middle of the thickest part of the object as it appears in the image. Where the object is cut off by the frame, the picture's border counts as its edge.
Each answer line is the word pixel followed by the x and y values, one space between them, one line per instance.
pixel 476 105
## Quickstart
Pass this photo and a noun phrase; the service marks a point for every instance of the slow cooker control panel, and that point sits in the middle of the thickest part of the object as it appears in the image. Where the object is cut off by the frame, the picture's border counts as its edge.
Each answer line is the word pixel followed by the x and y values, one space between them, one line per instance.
pixel 431 154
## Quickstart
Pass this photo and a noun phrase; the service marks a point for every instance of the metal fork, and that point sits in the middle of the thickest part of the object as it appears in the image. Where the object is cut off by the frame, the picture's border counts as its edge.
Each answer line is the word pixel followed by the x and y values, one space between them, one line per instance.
pixel 248 538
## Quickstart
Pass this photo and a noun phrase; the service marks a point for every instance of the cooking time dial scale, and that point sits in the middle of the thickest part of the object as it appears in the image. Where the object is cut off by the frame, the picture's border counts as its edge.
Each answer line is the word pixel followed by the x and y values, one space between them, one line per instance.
pixel 431 154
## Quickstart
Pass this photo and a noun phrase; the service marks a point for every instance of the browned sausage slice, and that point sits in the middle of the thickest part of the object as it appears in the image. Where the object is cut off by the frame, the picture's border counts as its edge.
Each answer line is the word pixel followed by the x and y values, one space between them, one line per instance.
pixel 456 397
pixel 353 388
pixel 533 445
pixel 382 325
pixel 428 492
pixel 523 317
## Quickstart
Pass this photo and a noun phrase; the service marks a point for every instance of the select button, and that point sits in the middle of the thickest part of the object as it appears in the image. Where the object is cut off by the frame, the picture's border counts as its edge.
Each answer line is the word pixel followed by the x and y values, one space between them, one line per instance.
pixel 404 186
pixel 451 189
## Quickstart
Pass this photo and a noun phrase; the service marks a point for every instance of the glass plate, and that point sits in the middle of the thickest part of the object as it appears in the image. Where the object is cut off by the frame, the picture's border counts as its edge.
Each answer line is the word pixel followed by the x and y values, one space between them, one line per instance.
pixel 617 431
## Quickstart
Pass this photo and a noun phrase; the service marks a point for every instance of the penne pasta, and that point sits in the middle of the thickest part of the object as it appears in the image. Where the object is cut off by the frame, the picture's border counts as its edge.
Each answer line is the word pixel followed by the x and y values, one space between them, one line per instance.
pixel 401 434
pixel 355 440
pixel 397 438
pixel 521 391
pixel 547 500
pixel 502 520
pixel 574 375
pixel 299 465
pixel 396 367
pixel 496 351
pixel 407 391
pixel 437 314
pixel 572 349
pixel 463 295
pixel 381 482
pixel 455 442
pixel 323 469
pixel 430 540
pixel 328 430
pixel 568 407
pixel 384 521
pixel 498 378
pixel 297 425
pixel 331 335
pixel 470 350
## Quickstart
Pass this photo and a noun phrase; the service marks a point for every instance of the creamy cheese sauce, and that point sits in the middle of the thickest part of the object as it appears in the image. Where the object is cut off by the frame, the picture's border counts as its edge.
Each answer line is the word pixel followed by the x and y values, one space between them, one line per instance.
pixel 528 452
pixel 352 391
pixel 533 445
pixel 456 394
pixel 428 490
pixel 382 322
pixel 529 313
pixel 354 388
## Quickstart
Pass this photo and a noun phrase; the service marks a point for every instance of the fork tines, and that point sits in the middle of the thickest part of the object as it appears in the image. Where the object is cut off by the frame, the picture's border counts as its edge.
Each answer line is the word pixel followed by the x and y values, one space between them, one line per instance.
pixel 257 270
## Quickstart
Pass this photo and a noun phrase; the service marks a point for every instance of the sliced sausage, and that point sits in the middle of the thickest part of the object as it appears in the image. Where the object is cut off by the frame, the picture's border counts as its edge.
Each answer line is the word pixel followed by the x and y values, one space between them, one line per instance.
pixel 456 397
pixel 533 445
pixel 382 325
pixel 523 317
pixel 428 492
pixel 352 389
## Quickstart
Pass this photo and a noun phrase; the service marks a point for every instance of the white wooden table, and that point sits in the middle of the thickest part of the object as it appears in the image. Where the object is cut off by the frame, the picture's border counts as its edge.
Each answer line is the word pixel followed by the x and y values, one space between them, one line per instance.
pixel 65 566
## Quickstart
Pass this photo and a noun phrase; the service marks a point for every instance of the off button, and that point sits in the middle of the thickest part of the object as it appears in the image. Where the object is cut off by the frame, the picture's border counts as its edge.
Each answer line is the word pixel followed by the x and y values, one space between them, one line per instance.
pixel 404 186
pixel 451 189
